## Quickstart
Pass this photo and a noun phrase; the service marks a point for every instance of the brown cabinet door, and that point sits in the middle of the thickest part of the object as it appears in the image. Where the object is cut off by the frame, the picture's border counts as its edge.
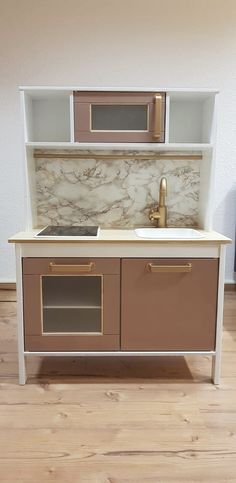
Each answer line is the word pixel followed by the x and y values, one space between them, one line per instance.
pixel 71 304
pixel 119 117
pixel 169 304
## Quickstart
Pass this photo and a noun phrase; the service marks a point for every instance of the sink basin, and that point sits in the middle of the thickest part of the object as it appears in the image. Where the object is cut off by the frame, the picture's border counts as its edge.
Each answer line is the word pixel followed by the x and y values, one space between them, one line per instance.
pixel 169 233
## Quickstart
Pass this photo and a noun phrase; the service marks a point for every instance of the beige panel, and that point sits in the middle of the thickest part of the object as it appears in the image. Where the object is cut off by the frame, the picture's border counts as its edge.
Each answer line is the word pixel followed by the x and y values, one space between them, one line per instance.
pixel 168 311
pixel 72 343
pixel 99 265
pixel 117 137
pixel 115 97
pixel 132 249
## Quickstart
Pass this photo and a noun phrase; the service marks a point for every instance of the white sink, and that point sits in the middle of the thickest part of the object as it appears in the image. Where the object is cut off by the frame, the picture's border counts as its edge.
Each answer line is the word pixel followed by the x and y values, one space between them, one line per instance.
pixel 169 233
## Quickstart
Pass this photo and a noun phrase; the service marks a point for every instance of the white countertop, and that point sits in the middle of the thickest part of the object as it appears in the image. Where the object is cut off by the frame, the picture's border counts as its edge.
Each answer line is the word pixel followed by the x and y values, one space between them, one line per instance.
pixel 118 236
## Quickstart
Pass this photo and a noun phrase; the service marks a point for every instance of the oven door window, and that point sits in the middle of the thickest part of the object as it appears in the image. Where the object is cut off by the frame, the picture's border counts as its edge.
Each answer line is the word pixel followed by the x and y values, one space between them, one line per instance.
pixel 119 118
pixel 72 304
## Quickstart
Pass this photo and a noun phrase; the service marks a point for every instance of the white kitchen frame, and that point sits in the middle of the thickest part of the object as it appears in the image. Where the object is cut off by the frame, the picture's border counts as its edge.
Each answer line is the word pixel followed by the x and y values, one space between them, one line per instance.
pixel 205 145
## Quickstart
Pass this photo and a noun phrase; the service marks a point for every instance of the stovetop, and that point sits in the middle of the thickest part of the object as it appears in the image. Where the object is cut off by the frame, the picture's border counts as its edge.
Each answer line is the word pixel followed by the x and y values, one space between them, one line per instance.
pixel 69 231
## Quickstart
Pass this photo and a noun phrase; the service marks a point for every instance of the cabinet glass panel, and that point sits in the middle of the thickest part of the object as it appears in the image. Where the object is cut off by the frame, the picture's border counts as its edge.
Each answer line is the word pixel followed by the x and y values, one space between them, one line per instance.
pixel 119 117
pixel 72 304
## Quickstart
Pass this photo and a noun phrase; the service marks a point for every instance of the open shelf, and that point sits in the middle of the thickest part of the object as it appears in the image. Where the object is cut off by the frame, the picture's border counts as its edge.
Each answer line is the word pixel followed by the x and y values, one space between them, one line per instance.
pixel 191 118
pixel 72 321
pixel 47 117
pixel 49 120
pixel 79 291
pixel 72 307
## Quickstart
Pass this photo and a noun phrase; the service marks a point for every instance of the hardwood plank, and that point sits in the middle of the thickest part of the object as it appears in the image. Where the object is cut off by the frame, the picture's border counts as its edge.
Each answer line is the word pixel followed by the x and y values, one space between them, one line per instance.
pixel 164 467
pixel 11 286
pixel 7 295
pixel 117 420
pixel 106 415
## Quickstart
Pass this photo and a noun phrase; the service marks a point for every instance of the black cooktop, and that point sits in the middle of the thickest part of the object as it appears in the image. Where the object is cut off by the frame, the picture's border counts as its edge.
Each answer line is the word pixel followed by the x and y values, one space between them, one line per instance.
pixel 69 231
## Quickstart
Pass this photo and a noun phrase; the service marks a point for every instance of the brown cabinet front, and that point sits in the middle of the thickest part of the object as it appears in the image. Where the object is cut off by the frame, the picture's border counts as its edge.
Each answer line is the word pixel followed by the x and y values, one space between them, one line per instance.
pixel 119 116
pixel 71 304
pixel 169 304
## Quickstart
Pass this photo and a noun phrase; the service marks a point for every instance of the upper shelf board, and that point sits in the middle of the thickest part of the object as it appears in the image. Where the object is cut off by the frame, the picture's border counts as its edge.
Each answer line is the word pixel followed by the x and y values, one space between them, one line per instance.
pixel 66 90
pixel 122 146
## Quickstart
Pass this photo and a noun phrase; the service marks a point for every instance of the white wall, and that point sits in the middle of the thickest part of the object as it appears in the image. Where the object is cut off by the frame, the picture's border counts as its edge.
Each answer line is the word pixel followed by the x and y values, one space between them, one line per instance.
pixel 175 43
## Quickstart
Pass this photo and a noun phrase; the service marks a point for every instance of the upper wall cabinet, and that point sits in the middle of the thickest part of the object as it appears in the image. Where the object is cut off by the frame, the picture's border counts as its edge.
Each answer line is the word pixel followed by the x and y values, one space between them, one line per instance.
pixel 162 119
pixel 119 117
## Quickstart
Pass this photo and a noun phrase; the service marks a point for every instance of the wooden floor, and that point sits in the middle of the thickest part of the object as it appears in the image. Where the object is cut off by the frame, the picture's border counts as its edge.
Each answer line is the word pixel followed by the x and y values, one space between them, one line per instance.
pixel 112 421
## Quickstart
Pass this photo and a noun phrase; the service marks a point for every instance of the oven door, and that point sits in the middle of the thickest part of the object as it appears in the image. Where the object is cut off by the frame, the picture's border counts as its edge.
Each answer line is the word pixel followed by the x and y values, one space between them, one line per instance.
pixel 119 117
pixel 71 304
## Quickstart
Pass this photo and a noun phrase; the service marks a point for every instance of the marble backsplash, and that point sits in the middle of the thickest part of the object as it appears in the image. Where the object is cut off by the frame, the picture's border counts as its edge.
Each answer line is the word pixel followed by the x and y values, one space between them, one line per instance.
pixel 114 192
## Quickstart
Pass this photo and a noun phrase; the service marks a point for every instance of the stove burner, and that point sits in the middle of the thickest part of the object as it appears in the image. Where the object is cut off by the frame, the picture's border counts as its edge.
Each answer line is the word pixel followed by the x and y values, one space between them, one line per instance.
pixel 69 231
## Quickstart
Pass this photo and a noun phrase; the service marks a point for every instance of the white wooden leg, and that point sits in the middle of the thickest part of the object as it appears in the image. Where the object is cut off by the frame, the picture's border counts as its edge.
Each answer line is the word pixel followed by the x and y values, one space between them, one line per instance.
pixel 216 359
pixel 216 369
pixel 22 369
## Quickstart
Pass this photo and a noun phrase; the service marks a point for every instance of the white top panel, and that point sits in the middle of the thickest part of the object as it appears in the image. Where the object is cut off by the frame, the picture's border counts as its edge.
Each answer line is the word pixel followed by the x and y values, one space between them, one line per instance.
pixel 65 89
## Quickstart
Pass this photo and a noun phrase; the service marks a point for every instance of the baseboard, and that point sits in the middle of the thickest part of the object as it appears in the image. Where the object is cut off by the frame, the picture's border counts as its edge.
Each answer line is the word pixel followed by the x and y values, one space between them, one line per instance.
pixel 7 286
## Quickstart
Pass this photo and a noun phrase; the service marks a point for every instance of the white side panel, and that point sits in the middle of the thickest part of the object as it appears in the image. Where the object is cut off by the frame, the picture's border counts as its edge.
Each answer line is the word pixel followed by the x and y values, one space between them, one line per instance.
pixel 208 124
pixel 167 123
pixel 72 121
pixel 20 319
pixel 207 173
pixel 206 190
pixel 216 362
pixel 31 205
pixel 26 116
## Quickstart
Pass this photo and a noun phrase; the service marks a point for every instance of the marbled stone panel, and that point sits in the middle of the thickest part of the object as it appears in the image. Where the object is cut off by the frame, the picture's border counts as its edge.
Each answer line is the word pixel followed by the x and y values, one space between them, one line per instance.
pixel 115 192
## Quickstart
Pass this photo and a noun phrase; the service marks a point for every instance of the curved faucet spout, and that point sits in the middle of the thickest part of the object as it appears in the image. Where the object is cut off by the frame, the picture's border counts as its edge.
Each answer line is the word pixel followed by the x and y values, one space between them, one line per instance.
pixel 163 191
pixel 159 214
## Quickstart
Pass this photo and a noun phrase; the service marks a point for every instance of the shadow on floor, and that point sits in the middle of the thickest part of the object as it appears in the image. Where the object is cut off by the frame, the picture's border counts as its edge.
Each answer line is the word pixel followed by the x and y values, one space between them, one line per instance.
pixel 111 369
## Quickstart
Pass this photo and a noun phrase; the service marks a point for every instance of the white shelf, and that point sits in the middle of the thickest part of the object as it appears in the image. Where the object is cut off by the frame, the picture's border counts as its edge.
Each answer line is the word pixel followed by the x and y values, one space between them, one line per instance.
pixel 69 307
pixel 52 89
pixel 47 116
pixel 122 146
pixel 71 321
pixel 191 117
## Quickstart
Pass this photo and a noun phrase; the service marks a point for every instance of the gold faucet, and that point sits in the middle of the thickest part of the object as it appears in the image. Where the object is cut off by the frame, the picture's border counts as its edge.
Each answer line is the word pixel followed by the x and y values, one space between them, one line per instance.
pixel 159 214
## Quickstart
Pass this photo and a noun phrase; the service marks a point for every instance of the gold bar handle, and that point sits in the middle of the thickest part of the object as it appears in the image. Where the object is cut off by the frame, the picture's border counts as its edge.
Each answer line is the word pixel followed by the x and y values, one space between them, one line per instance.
pixel 55 268
pixel 157 116
pixel 169 268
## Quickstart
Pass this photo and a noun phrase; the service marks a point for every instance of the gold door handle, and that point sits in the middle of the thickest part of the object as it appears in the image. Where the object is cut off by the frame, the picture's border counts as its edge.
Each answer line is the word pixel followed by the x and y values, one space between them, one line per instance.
pixel 157 116
pixel 169 268
pixel 71 268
